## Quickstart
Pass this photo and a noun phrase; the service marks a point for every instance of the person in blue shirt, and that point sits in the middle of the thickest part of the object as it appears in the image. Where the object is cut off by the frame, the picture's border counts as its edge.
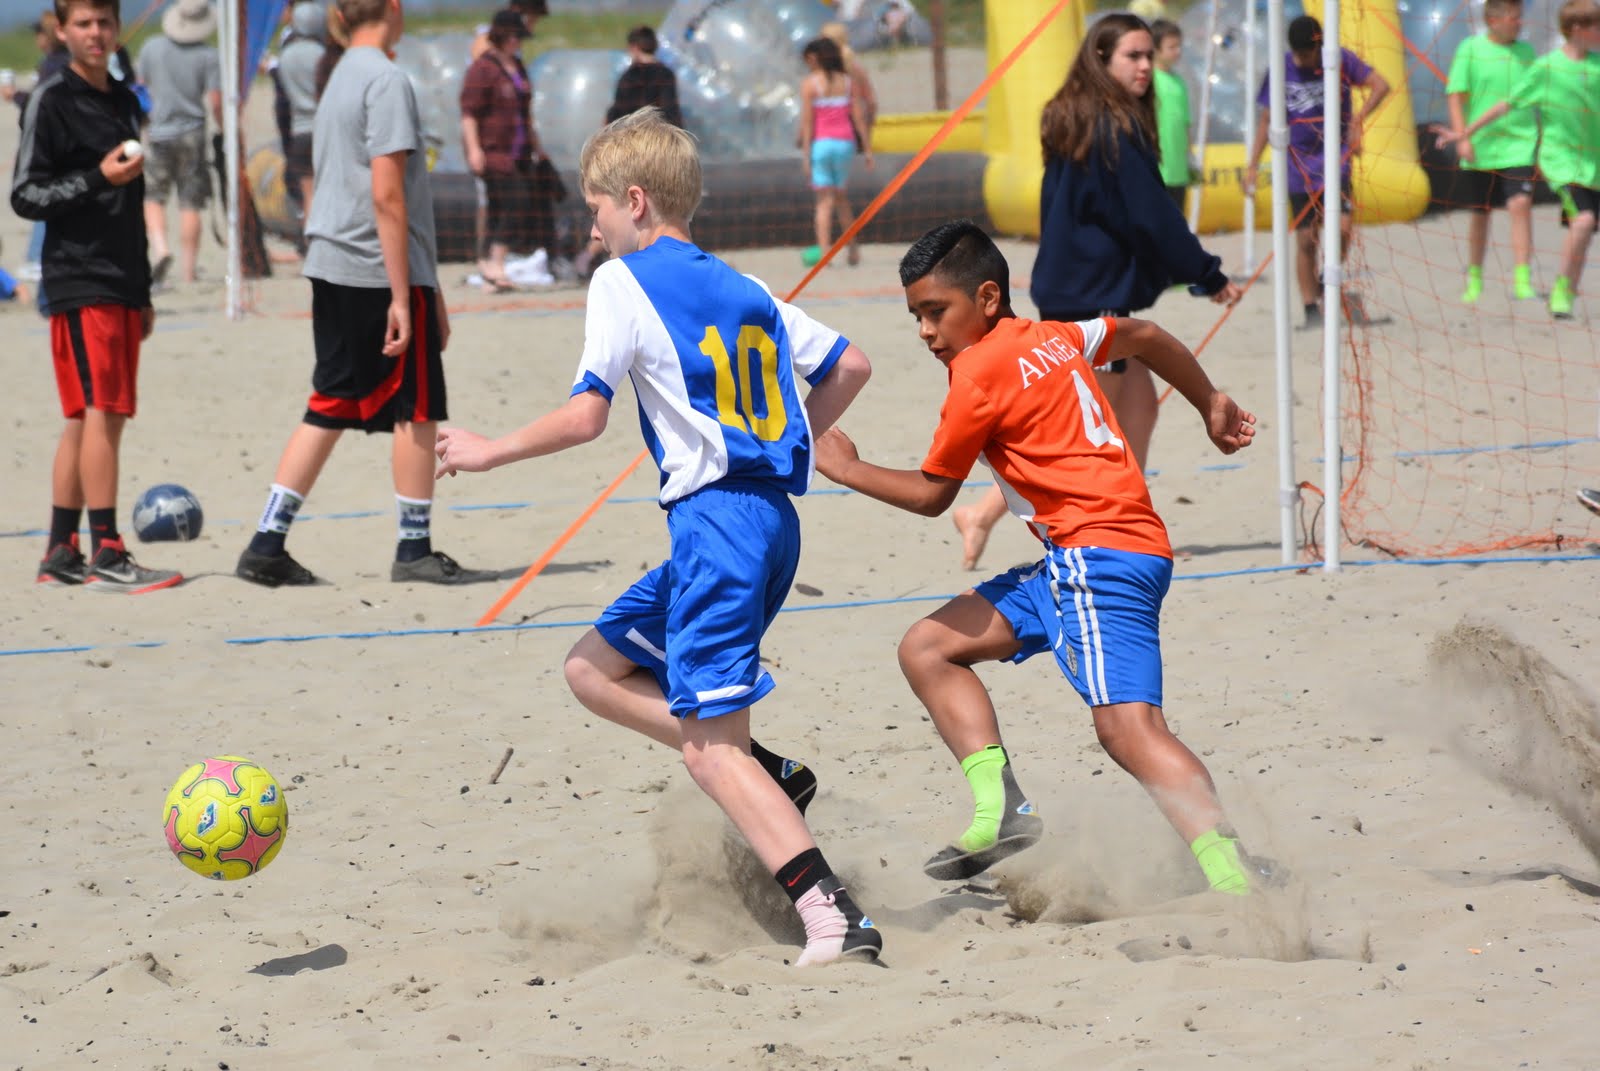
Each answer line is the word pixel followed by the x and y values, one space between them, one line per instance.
pixel 715 362
pixel 1111 240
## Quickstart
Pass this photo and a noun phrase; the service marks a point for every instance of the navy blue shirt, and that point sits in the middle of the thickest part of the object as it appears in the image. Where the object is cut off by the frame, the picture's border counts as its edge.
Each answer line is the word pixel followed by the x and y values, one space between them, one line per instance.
pixel 1111 238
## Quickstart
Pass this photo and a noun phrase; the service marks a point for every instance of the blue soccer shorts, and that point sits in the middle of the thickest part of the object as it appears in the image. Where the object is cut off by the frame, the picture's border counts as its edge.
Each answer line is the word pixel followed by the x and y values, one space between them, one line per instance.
pixel 696 621
pixel 1098 611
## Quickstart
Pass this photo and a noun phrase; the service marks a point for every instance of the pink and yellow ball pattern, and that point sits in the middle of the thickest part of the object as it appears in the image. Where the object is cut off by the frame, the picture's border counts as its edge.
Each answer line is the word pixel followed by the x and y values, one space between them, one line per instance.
pixel 225 818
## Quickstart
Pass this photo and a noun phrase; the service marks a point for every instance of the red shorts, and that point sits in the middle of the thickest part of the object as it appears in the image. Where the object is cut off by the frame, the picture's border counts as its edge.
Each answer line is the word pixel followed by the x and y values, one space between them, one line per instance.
pixel 96 351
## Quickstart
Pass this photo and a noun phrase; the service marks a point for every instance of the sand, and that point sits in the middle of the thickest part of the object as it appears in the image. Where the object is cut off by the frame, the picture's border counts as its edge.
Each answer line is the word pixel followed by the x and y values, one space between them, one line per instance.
pixel 1418 745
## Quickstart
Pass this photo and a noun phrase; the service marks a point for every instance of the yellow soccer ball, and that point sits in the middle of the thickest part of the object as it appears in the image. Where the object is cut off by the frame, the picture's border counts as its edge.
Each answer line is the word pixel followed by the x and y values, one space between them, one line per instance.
pixel 225 818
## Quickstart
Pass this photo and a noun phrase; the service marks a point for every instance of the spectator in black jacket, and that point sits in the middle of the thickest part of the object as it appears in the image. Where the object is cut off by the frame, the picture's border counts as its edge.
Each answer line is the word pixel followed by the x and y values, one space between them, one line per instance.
pixel 646 81
pixel 76 171
pixel 1111 240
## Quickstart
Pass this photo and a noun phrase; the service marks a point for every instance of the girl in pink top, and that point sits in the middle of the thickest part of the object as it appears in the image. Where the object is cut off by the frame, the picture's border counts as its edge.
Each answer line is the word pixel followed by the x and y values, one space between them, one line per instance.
pixel 833 125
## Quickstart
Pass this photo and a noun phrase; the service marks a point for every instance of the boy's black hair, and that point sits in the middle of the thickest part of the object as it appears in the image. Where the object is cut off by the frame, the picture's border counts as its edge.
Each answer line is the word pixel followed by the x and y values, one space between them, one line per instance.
pixel 1304 32
pixel 1161 29
pixel 962 255
pixel 535 8
pixel 644 39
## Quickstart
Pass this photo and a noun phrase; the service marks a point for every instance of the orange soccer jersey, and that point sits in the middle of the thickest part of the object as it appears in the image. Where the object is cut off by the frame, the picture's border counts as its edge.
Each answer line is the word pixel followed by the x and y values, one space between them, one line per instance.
pixel 1025 401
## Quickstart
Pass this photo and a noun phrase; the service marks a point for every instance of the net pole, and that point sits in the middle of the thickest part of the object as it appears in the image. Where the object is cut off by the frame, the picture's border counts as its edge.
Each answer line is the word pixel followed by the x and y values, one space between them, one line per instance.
pixel 1197 192
pixel 230 60
pixel 1250 81
pixel 1332 283
pixel 1282 269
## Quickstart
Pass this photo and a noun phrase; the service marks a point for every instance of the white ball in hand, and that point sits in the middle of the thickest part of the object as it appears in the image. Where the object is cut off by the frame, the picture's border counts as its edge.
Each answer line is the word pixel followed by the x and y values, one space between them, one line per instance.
pixel 132 150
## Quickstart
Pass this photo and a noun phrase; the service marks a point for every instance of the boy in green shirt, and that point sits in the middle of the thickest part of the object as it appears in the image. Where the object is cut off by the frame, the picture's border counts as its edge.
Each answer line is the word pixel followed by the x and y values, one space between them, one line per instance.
pixel 1172 110
pixel 1565 86
pixel 1496 168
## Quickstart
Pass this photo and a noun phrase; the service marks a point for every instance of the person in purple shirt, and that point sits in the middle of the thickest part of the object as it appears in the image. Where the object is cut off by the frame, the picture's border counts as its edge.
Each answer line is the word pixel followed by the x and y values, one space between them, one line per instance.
pixel 1303 95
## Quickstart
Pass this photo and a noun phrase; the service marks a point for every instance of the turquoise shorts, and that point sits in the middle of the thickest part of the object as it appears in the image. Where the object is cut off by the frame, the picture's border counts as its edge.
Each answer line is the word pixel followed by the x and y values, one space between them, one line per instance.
pixel 830 162
pixel 1098 611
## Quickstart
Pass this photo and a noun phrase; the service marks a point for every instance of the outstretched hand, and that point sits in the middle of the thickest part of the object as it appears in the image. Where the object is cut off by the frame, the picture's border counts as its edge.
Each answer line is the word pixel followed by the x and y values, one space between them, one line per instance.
pixel 835 453
pixel 1231 428
pixel 460 450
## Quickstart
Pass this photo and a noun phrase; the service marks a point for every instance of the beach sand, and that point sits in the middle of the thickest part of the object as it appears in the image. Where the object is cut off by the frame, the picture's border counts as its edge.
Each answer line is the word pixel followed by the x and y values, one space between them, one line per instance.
pixel 1418 745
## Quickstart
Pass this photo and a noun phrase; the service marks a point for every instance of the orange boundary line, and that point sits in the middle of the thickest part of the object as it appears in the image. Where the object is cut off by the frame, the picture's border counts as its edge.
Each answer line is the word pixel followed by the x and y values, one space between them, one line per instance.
pixel 844 239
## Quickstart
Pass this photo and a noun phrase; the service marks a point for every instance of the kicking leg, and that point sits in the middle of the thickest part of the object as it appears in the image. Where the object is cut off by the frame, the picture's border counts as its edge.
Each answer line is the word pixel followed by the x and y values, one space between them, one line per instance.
pixel 936 656
pixel 975 522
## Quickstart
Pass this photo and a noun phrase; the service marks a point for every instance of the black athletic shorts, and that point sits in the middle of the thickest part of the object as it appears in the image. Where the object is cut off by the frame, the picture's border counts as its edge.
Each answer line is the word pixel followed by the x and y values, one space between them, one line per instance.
pixel 1576 200
pixel 1483 190
pixel 1313 218
pixel 1056 316
pixel 357 385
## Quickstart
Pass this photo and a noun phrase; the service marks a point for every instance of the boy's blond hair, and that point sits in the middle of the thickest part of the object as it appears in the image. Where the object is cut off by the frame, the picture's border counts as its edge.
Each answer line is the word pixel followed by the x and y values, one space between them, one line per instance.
pixel 644 150
pixel 1576 13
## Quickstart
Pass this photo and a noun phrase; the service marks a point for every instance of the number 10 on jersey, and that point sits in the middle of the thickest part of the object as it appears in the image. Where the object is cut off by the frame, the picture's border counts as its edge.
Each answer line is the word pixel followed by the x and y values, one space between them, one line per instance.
pixel 736 405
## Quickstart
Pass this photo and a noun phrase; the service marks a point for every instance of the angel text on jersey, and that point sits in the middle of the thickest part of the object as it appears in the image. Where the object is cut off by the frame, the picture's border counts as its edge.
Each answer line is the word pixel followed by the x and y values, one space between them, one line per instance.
pixel 1055 351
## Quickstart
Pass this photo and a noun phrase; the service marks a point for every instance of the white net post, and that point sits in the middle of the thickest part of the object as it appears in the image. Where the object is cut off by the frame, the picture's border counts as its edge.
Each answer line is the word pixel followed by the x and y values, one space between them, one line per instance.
pixel 1197 191
pixel 231 40
pixel 1332 283
pixel 1282 269
pixel 1250 81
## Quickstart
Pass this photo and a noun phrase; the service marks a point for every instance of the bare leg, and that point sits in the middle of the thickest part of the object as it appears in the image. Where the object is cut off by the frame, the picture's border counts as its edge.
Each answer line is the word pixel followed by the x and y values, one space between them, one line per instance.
pixel 188 242
pixel 308 450
pixel 975 522
pixel 846 216
pixel 97 457
pixel 1520 209
pixel 717 754
pixel 1136 737
pixel 1136 405
pixel 66 479
pixel 493 267
pixel 412 459
pixel 1579 231
pixel 614 687
pixel 1305 265
pixel 155 226
pixel 937 656
pixel 1478 238
pixel 822 221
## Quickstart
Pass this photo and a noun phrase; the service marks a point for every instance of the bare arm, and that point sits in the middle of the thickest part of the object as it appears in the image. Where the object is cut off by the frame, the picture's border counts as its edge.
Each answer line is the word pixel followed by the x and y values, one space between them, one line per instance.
pixel 470 144
pixel 831 397
pixel 912 490
pixel 1377 89
pixel 389 206
pixel 1253 161
pixel 1486 118
pixel 1229 427
pixel 803 139
pixel 580 420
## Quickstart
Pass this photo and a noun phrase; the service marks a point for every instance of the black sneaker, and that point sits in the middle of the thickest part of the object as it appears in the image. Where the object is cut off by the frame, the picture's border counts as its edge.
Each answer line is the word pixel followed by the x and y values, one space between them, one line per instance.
pixel 1589 498
pixel 272 570
pixel 64 564
pixel 114 570
pixel 438 568
pixel 861 937
pixel 1313 319
pixel 1020 828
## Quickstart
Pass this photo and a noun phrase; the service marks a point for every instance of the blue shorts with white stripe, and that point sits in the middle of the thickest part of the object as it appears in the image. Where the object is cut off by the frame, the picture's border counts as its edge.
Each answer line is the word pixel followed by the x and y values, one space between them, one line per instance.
pixel 1098 611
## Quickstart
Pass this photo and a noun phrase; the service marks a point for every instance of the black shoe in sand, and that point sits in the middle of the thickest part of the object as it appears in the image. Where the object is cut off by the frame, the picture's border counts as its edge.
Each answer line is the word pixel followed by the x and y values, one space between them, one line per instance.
pixel 272 570
pixel 1020 828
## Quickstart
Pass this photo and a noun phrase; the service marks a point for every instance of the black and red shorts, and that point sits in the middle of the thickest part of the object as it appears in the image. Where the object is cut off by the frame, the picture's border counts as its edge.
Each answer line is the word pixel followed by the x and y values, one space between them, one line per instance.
pixel 357 385
pixel 96 355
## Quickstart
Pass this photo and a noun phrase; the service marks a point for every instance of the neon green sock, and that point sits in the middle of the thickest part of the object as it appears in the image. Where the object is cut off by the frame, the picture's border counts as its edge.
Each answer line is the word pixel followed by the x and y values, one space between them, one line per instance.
pixel 1218 857
pixel 1474 289
pixel 984 771
pixel 1522 282
pixel 1561 297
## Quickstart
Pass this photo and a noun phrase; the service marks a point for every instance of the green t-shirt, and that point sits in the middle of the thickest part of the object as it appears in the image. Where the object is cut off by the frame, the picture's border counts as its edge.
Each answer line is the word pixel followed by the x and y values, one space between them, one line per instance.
pixel 1487 72
pixel 1172 127
pixel 1567 94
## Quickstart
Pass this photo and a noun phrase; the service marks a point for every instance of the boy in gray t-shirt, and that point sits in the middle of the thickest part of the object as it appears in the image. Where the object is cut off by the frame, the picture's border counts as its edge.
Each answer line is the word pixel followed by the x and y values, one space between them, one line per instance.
pixel 180 70
pixel 378 320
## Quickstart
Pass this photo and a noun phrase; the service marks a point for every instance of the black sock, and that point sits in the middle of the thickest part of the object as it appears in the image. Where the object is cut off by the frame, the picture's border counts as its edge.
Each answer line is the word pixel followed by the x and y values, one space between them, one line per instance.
pixel 771 763
pixel 268 543
pixel 803 871
pixel 64 524
pixel 102 527
pixel 1312 307
pixel 410 550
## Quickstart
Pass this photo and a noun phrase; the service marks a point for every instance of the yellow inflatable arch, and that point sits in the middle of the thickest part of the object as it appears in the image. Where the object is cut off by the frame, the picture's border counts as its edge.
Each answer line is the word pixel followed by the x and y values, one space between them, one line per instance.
pixel 1389 183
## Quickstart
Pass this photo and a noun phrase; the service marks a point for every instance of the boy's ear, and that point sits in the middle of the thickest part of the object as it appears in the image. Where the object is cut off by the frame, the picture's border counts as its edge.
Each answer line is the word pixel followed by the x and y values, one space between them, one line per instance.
pixel 989 299
pixel 638 204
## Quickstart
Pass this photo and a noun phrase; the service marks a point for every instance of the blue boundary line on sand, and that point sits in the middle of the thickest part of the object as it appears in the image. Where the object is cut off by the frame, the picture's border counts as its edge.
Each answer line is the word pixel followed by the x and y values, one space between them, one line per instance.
pixel 529 626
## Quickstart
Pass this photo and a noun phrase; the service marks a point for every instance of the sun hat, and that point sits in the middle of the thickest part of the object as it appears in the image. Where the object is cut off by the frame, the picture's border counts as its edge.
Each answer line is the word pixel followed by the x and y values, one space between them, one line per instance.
pixel 189 22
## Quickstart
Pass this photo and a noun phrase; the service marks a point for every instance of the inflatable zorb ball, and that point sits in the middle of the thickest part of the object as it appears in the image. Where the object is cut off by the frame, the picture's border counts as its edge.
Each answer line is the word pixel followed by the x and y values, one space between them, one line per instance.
pixel 167 513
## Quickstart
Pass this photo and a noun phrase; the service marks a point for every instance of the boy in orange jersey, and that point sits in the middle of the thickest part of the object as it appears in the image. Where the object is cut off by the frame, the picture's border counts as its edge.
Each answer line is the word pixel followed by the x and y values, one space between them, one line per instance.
pixel 1023 400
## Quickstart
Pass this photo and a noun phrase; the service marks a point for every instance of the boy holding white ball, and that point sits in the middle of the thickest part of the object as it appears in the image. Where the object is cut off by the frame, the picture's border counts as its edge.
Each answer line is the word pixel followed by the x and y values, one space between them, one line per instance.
pixel 75 170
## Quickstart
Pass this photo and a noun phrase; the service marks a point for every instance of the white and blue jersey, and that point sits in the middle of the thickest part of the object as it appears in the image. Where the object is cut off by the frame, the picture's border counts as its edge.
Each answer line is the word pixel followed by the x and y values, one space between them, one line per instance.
pixel 714 360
